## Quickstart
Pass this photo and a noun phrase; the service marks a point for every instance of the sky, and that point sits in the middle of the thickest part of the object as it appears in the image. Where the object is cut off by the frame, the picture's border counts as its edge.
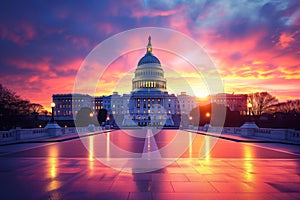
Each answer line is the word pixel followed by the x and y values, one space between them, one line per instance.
pixel 255 45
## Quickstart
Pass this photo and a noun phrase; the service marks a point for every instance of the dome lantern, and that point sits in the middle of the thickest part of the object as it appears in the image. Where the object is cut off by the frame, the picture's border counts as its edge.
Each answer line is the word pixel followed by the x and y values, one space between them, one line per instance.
pixel 149 46
pixel 149 74
pixel 148 57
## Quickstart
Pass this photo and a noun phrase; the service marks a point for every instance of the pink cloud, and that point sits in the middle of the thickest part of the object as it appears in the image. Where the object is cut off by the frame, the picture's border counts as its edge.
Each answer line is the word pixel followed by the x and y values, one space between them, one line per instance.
pixel 156 13
pixel 20 34
pixel 79 42
pixel 42 65
pixel 285 39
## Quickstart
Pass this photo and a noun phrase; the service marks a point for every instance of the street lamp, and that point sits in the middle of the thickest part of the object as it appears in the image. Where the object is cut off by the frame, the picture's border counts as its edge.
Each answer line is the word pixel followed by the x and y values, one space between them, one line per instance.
pixel 91 114
pixel 191 118
pixel 52 107
pixel 249 126
pixel 207 114
pixel 52 127
pixel 249 105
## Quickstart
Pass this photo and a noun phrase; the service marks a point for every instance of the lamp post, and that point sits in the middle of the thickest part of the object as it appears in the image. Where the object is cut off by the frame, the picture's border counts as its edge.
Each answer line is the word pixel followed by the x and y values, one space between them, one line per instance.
pixel 248 128
pixel 53 128
pixel 249 106
pixel 207 116
pixel 91 126
pixel 107 123
pixel 52 115
pixel 107 120
pixel 91 115
pixel 207 125
pixel 191 118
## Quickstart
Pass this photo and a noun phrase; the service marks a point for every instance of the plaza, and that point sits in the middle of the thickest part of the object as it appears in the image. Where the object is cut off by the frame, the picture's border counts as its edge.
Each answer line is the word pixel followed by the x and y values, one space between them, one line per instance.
pixel 87 167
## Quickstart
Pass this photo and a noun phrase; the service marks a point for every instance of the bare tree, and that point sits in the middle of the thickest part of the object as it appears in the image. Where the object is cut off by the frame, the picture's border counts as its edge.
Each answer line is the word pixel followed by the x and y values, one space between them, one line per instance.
pixel 35 107
pixel 45 112
pixel 262 102
pixel 13 109
pixel 290 106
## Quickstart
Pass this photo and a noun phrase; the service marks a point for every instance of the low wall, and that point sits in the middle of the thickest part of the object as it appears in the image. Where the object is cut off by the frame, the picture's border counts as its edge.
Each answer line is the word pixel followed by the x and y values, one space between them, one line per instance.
pixel 7 135
pixel 277 134
pixel 22 134
pixel 25 134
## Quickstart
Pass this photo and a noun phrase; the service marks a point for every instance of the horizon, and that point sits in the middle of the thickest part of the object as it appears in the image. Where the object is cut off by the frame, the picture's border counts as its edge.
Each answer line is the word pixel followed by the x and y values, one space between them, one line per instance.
pixel 254 45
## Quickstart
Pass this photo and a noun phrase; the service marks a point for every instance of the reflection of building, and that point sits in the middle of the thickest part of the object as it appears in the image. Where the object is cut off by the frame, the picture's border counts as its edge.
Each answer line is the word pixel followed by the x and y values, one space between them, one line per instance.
pixel 235 102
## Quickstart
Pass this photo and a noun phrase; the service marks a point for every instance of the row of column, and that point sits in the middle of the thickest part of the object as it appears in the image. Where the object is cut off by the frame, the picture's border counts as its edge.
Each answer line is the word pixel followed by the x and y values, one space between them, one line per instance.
pixel 149 84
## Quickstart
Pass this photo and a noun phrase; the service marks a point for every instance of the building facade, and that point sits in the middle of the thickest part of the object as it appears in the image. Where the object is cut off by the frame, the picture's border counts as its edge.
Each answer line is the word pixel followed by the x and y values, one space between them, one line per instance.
pixel 149 103
pixel 68 105
pixel 235 102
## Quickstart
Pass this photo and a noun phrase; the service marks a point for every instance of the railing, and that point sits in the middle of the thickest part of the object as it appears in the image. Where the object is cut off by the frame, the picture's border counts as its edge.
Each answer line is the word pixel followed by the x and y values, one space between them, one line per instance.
pixel 30 133
pixel 277 134
pixel 7 135
pixel 25 134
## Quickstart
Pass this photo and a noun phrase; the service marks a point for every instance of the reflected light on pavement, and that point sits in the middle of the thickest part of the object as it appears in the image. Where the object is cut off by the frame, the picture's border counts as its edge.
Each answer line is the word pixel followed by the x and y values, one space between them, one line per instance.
pixel 108 146
pixel 190 144
pixel 52 167
pixel 248 166
pixel 91 153
pixel 52 162
pixel 53 185
pixel 207 148
pixel 148 144
pixel 248 152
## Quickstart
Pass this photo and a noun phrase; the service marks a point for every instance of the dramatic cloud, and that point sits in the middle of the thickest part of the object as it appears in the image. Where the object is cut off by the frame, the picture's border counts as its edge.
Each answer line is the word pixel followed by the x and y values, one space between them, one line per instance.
pixel 254 44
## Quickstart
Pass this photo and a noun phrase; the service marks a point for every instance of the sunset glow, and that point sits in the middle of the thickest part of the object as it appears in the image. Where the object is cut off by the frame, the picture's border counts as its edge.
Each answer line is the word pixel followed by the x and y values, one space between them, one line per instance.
pixel 254 44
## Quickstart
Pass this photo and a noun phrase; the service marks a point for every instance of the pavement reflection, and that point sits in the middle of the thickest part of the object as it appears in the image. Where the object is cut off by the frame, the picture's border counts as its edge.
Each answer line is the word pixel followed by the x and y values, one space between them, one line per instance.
pixel 71 170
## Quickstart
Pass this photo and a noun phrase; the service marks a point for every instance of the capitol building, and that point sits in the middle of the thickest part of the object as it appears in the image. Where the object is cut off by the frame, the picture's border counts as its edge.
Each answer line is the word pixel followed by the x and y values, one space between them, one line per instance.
pixel 148 104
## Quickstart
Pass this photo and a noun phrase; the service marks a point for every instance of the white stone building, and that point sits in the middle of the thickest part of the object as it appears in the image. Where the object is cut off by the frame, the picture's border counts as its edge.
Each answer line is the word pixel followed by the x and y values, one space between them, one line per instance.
pixel 148 104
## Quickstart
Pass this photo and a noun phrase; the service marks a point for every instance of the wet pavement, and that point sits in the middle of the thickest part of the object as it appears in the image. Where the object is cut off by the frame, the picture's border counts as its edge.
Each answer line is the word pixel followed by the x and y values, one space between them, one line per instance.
pixel 148 164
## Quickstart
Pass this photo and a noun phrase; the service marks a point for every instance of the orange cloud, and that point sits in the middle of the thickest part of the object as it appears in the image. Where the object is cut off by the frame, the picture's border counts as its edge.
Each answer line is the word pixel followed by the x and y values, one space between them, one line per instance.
pixel 285 39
